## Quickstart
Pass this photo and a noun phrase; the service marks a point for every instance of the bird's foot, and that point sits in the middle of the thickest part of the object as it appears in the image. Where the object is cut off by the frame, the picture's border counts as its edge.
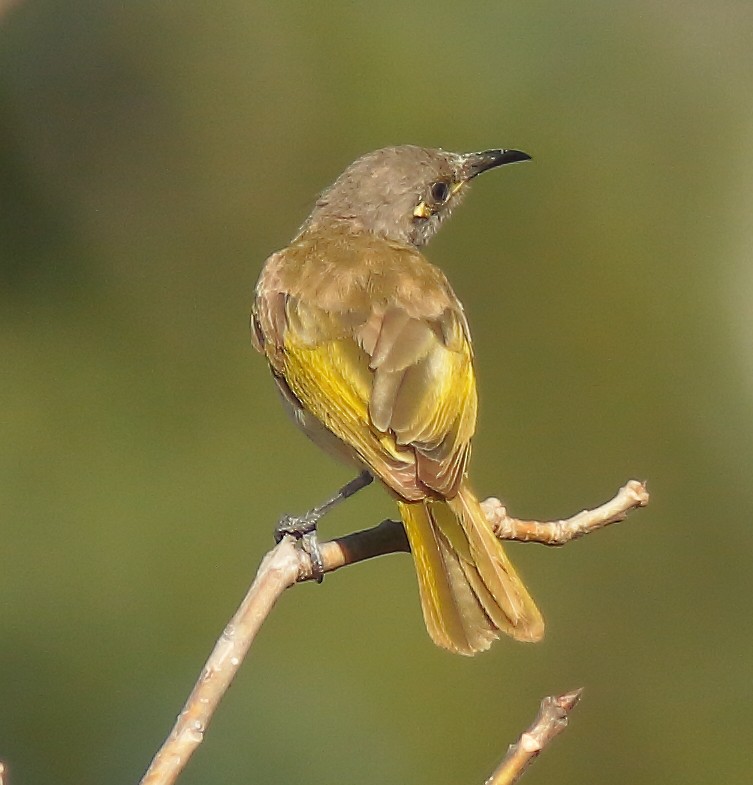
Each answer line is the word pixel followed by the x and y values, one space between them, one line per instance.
pixel 303 528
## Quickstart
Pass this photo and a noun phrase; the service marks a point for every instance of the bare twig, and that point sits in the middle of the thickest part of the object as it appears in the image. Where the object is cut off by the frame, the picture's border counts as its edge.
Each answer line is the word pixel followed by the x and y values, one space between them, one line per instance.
pixel 387 537
pixel 279 569
pixel 631 496
pixel 287 564
pixel 550 722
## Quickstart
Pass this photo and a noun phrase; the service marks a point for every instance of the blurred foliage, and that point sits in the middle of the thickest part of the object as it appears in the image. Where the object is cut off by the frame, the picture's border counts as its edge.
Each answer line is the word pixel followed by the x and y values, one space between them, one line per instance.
pixel 151 156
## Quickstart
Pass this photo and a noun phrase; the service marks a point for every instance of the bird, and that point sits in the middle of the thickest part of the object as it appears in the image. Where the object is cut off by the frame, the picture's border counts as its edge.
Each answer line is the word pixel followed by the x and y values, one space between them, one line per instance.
pixel 371 352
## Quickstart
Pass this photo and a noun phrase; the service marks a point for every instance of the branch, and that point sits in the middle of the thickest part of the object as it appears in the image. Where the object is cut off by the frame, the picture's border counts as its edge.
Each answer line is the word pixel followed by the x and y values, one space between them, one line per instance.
pixel 551 720
pixel 631 496
pixel 287 564
pixel 279 569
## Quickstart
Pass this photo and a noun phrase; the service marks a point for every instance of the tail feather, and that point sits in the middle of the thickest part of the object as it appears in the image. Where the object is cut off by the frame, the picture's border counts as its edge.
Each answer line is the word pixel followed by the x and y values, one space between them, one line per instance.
pixel 469 590
pixel 441 614
pixel 478 628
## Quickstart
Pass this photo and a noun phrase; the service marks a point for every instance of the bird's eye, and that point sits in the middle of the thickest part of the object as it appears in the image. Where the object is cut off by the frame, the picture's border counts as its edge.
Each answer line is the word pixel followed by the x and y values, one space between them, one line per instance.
pixel 440 191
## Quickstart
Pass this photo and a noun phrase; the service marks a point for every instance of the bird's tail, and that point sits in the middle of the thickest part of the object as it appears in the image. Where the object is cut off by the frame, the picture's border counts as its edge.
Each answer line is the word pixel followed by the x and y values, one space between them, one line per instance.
pixel 469 590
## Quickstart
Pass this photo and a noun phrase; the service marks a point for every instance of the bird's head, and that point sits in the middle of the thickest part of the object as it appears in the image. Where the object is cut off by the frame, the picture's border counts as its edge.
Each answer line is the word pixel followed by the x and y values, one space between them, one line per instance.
pixel 403 193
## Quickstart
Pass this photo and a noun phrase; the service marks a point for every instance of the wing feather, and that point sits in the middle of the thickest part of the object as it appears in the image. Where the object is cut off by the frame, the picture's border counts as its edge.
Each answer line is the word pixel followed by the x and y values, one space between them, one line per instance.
pixel 390 373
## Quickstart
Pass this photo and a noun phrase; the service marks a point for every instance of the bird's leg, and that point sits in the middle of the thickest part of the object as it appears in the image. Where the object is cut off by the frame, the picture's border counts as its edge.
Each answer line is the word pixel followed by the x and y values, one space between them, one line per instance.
pixel 303 527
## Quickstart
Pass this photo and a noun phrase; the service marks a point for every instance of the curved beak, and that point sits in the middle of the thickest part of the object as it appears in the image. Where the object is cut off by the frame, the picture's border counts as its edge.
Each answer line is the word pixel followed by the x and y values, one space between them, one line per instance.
pixel 476 163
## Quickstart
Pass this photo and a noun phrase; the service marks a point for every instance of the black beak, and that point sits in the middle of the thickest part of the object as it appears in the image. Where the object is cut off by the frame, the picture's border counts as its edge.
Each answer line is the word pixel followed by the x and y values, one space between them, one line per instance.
pixel 476 163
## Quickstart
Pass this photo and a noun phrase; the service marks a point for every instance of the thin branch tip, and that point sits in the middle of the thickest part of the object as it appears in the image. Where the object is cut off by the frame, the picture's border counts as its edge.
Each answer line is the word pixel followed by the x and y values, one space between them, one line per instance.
pixel 639 488
pixel 552 719
pixel 569 700
pixel 630 497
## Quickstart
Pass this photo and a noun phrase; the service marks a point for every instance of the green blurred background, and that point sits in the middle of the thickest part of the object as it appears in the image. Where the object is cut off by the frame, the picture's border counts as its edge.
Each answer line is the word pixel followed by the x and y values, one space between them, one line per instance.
pixel 151 156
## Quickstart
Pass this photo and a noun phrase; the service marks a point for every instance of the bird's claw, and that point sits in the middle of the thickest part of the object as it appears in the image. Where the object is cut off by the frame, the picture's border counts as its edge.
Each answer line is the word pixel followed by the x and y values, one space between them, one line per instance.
pixel 303 528
pixel 310 544
pixel 295 525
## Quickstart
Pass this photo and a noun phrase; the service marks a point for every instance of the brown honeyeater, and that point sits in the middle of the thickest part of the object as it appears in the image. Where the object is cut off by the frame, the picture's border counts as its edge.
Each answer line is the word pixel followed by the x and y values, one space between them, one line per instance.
pixel 370 348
